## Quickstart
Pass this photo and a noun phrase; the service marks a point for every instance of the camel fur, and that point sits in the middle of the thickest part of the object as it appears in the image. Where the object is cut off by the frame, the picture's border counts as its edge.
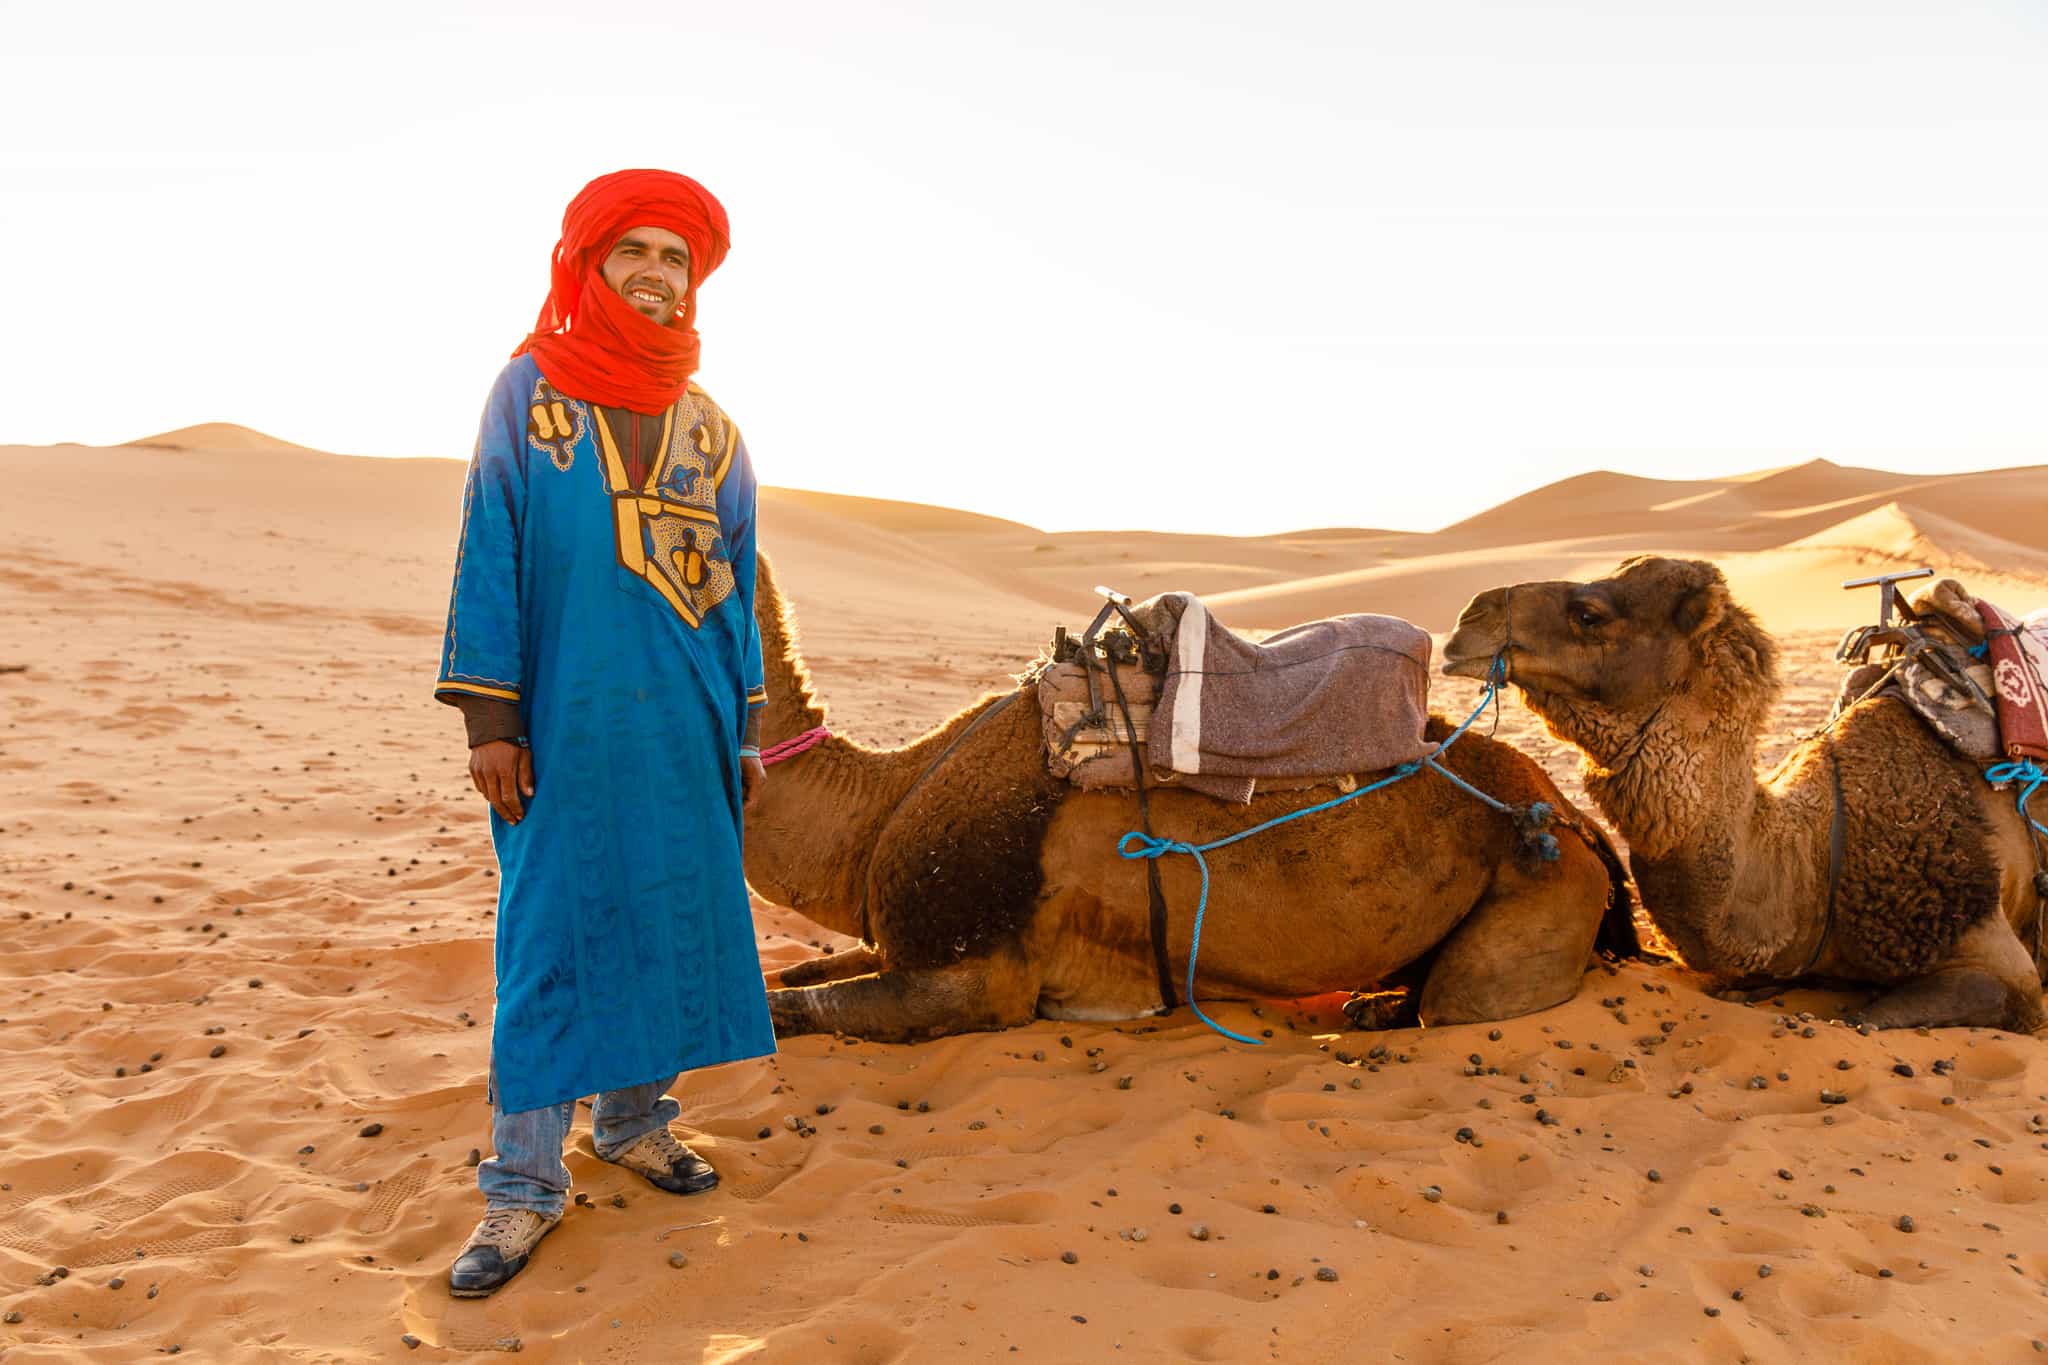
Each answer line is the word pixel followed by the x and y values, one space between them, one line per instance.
pixel 987 892
pixel 1665 685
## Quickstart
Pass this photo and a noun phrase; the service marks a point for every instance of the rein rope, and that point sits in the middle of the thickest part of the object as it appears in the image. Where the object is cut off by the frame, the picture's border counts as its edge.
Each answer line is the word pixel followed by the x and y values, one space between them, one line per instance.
pixel 2027 773
pixel 1530 822
pixel 796 744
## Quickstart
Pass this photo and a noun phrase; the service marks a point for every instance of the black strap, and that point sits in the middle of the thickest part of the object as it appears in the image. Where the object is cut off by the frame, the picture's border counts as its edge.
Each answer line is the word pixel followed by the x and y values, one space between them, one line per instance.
pixel 1838 833
pixel 1153 890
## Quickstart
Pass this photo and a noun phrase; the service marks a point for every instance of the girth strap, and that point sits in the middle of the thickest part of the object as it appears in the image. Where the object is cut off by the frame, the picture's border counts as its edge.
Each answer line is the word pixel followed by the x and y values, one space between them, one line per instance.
pixel 1154 892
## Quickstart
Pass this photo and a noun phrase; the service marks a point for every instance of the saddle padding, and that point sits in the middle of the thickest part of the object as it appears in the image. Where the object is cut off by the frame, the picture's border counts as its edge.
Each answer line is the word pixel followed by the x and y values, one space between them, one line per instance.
pixel 1348 694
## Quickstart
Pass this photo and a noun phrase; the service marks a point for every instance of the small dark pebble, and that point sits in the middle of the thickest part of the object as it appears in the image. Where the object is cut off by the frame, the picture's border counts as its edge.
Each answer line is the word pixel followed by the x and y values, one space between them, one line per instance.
pixel 1603 1297
pixel 370 1130
pixel 1078 1318
pixel 1655 1176
pixel 1763 1272
pixel 218 1050
pixel 1173 1208
pixel 765 1132
pixel 1327 1274
pixel 116 1282
pixel 412 1343
pixel 475 1157
pixel 1713 1312
pixel 1070 1258
pixel 1902 1069
pixel 1905 1223
pixel 1885 1274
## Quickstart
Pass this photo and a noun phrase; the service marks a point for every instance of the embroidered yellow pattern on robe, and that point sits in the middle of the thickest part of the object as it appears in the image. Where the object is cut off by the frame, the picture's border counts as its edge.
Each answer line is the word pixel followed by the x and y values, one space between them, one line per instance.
pixel 555 424
pixel 668 531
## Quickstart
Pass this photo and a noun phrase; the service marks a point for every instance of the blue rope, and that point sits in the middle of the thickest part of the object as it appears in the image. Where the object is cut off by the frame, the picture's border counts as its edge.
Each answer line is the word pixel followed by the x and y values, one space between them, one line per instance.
pixel 2024 771
pixel 1137 844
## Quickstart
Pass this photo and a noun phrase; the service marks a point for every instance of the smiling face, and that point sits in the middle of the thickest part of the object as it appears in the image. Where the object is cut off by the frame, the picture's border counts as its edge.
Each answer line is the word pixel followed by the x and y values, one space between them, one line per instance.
pixel 649 267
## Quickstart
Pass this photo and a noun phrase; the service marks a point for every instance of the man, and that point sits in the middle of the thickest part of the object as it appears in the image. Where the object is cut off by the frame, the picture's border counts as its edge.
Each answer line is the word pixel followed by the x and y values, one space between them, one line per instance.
pixel 601 645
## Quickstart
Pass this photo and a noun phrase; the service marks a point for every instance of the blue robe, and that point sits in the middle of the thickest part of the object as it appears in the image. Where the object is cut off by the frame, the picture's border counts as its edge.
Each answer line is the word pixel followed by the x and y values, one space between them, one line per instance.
pixel 621 620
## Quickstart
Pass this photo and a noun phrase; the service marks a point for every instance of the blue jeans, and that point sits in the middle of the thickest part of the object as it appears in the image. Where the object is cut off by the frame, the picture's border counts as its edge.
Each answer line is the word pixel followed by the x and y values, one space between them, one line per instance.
pixel 526 1170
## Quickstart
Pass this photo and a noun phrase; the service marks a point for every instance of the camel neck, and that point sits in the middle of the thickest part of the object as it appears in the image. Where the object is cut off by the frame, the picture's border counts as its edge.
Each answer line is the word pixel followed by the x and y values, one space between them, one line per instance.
pixel 817 817
pixel 1711 849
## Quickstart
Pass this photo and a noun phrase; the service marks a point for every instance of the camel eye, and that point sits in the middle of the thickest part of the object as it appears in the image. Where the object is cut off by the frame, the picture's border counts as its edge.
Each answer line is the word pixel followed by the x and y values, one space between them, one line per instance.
pixel 1585 618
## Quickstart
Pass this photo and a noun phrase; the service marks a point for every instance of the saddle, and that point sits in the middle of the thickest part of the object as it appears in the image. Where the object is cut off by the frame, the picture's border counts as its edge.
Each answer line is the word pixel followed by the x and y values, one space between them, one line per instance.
pixel 1166 696
pixel 1966 666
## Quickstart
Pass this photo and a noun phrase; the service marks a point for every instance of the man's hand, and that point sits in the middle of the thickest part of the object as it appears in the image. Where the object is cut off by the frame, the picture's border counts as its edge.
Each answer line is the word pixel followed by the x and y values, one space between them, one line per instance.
pixel 503 772
pixel 752 775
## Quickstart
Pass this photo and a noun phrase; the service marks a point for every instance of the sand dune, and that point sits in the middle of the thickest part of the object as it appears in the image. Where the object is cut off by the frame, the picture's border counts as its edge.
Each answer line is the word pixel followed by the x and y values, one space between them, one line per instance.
pixel 249 903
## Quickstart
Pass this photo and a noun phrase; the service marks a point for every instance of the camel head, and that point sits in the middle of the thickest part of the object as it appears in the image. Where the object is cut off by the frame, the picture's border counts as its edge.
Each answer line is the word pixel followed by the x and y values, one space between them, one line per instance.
pixel 1599 661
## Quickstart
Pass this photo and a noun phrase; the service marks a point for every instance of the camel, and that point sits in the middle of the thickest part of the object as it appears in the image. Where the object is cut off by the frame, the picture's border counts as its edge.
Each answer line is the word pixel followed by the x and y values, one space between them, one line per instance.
pixel 1871 854
pixel 987 893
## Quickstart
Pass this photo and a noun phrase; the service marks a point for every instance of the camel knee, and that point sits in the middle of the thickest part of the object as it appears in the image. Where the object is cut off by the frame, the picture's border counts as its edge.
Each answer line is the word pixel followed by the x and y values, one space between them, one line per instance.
pixel 1518 952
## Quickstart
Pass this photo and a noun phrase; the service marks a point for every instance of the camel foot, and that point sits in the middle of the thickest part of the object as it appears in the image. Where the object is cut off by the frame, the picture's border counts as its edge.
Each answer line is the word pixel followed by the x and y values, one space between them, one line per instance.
pixel 911 1005
pixel 1956 997
pixel 1989 982
pixel 831 967
pixel 1379 1011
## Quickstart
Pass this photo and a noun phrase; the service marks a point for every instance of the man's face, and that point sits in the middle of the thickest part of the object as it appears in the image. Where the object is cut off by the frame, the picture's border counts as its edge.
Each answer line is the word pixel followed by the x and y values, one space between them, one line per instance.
pixel 650 269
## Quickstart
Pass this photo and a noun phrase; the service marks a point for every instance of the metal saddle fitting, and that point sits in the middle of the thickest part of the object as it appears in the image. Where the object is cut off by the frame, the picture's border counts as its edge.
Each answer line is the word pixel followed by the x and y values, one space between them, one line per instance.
pixel 1902 639
pixel 1126 645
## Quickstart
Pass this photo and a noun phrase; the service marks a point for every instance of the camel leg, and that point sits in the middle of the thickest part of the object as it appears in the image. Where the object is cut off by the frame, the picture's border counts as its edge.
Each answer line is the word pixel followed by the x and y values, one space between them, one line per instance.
pixel 1989 981
pixel 1394 1003
pixel 836 967
pixel 999 991
pixel 1523 948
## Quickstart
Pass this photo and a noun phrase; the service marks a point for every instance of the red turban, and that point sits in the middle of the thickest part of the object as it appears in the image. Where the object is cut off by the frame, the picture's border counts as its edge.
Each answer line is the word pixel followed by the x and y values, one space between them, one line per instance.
pixel 592 344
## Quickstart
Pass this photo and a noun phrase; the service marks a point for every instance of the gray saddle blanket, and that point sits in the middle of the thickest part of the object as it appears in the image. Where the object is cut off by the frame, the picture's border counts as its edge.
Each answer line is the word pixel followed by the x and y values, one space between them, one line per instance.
pixel 1309 705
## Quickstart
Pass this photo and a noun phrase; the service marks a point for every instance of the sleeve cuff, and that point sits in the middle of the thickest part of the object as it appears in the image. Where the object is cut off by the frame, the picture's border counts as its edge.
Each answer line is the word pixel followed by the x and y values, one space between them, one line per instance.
pixel 488 718
pixel 446 686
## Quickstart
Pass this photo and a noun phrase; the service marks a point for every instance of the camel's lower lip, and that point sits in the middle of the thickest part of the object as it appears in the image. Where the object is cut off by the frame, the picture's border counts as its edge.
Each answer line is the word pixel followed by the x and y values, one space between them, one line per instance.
pixel 1476 666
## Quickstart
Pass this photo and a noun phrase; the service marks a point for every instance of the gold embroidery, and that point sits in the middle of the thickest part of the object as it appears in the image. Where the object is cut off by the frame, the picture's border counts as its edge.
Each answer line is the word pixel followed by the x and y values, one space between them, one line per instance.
pixel 668 530
pixel 555 424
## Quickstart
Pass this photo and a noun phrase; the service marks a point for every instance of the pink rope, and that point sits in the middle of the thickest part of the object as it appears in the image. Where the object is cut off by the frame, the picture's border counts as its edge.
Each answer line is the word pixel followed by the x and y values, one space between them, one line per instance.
pixel 790 748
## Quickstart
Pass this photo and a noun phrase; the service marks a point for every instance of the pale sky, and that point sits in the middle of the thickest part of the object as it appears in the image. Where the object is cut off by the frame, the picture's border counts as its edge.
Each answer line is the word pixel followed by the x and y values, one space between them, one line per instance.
pixel 1230 267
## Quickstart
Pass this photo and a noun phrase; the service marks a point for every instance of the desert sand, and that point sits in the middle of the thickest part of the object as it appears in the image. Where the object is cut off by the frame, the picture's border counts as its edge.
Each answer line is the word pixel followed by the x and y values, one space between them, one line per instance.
pixel 248 899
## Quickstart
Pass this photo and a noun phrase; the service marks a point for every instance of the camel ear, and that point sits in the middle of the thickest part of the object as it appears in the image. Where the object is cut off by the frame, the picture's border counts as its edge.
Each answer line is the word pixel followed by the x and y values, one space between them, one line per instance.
pixel 1701 608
